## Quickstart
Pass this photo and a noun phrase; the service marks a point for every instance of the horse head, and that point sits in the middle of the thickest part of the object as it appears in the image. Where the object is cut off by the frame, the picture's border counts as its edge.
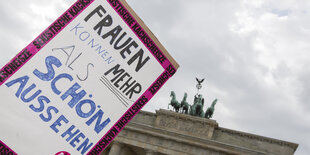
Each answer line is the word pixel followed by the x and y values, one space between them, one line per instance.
pixel 185 96
pixel 213 103
pixel 172 94
pixel 184 99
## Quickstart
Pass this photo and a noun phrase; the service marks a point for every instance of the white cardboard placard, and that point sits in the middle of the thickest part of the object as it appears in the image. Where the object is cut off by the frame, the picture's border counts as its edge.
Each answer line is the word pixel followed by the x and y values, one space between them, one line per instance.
pixel 77 85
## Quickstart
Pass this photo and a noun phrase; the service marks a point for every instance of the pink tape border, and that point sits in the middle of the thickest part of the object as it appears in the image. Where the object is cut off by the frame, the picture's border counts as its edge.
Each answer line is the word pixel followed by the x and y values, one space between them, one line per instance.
pixel 33 50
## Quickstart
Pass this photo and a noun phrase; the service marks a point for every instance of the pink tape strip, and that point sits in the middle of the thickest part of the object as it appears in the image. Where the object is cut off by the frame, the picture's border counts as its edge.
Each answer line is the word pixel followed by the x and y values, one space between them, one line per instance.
pixel 4 149
pixel 113 132
pixel 137 29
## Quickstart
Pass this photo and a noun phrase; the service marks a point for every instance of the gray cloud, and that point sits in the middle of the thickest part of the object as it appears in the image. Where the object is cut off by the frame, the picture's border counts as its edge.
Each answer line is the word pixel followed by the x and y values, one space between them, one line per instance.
pixel 252 55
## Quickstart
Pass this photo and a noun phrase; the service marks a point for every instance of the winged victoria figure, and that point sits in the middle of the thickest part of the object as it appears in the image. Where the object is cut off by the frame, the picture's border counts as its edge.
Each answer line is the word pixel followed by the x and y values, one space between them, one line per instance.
pixel 199 86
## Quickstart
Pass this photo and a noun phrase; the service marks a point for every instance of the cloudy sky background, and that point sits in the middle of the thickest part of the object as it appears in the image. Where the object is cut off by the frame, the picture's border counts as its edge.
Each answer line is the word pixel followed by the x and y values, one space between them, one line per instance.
pixel 253 54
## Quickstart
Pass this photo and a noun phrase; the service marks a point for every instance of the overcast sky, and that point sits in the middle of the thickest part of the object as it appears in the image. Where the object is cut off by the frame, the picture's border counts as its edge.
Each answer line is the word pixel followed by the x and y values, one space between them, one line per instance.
pixel 254 55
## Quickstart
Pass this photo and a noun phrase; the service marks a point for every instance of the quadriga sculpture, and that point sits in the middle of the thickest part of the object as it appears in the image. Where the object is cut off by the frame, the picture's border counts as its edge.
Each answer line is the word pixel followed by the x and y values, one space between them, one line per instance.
pixel 197 108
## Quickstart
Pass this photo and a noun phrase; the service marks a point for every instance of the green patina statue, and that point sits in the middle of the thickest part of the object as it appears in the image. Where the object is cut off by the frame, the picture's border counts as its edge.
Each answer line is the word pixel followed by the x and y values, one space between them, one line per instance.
pixel 197 108
pixel 174 103
pixel 210 110
pixel 184 104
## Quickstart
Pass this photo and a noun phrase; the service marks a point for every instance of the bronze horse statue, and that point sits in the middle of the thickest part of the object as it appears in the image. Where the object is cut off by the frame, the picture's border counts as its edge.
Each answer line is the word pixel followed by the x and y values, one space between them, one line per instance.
pixel 174 103
pixel 184 104
pixel 210 110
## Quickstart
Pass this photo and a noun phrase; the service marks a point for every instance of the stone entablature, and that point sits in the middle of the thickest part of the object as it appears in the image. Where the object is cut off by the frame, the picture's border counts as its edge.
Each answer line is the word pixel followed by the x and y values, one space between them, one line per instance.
pixel 168 132
pixel 183 124
pixel 253 141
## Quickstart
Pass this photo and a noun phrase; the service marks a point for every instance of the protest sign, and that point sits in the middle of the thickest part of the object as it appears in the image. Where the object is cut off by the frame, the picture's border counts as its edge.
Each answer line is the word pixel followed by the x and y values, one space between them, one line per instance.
pixel 76 86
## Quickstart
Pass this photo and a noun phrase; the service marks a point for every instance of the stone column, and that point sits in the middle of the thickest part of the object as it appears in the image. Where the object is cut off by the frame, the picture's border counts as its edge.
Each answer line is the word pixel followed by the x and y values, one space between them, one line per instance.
pixel 116 148
pixel 149 152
